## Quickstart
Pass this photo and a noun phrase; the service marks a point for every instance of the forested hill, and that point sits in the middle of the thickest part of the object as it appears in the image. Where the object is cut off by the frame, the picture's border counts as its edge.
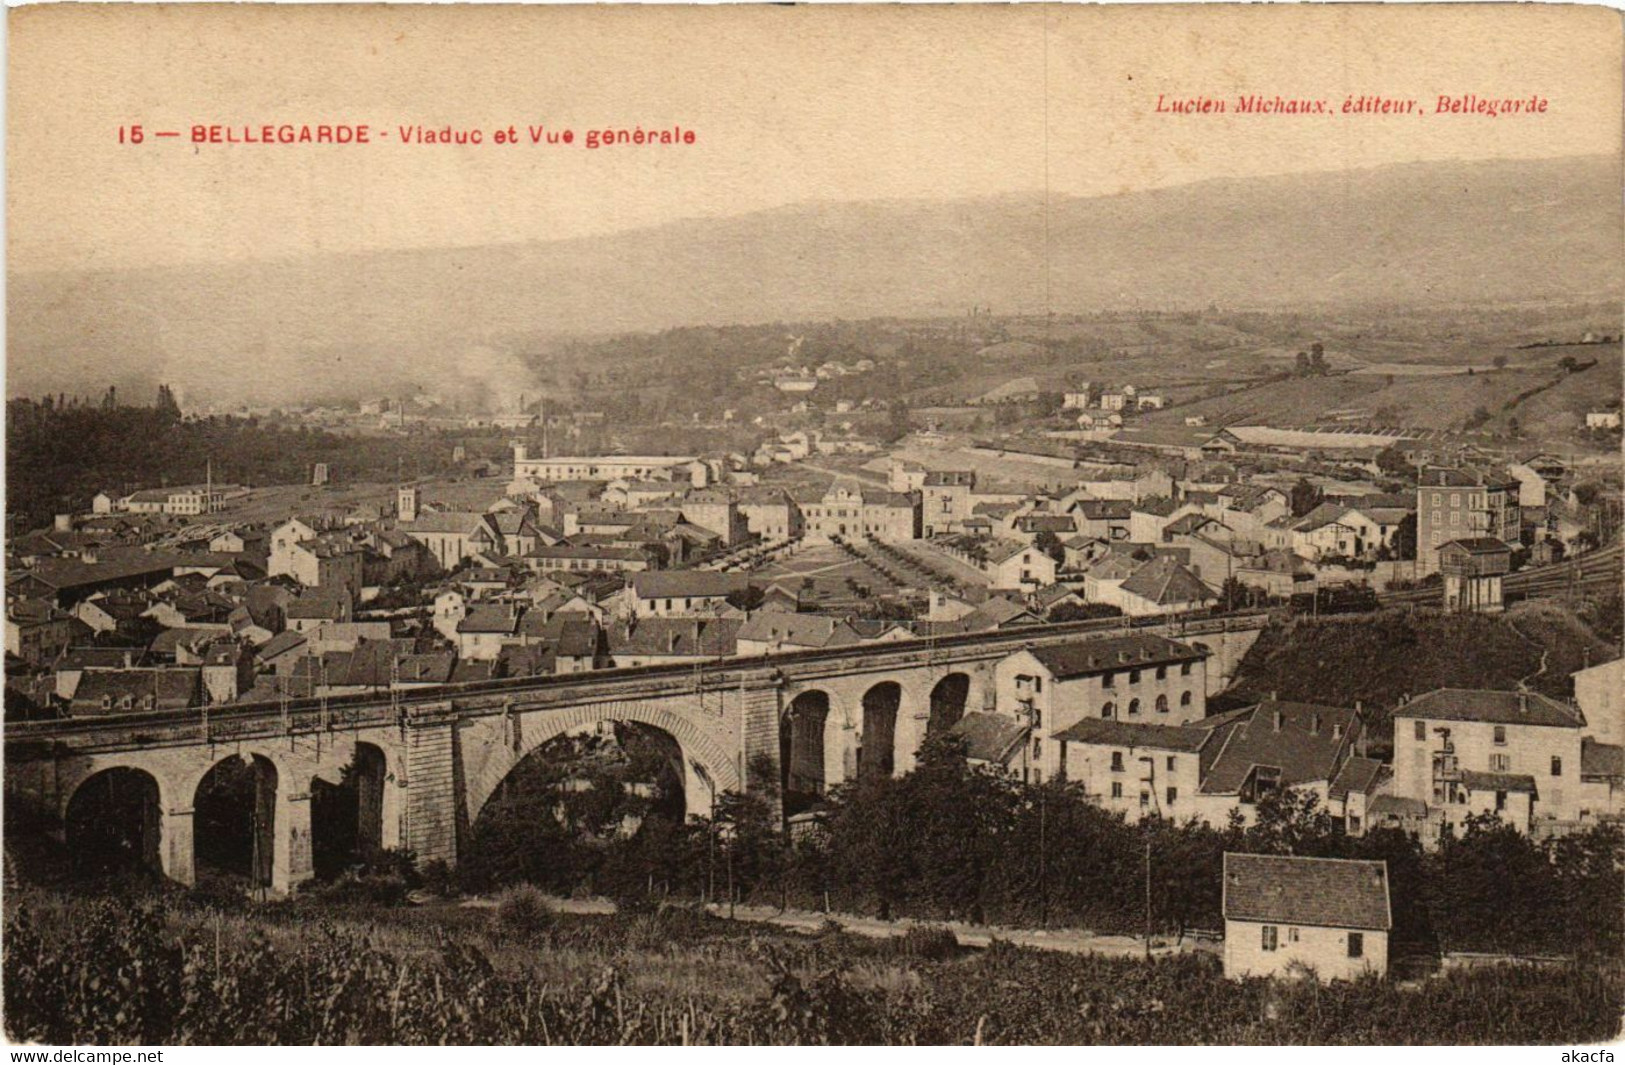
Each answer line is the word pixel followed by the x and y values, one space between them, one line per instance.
pixel 1377 659
pixel 58 458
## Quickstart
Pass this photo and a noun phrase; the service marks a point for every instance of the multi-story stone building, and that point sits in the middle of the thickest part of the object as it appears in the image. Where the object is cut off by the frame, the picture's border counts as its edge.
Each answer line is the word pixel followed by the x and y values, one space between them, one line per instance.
pixel 853 512
pixel 1462 752
pixel 947 498
pixel 1457 503
pixel 1139 678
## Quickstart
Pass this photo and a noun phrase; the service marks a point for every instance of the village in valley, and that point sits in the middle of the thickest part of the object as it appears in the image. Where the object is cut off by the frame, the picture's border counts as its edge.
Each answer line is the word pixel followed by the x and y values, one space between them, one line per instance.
pixel 1134 590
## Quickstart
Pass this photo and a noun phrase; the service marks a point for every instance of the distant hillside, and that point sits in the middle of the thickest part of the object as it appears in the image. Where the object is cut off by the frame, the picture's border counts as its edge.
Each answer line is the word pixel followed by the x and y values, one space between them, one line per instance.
pixel 1411 234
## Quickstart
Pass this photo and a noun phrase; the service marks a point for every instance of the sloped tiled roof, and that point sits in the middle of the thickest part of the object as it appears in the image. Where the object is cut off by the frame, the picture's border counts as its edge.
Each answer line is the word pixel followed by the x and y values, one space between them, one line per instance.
pixel 1307 747
pixel 989 737
pixel 1496 707
pixel 1103 732
pixel 686 584
pixel 1478 545
pixel 1319 892
pixel 995 613
pixel 707 637
pixel 127 689
pixel 804 630
pixel 488 618
pixel 1477 780
pixel 1601 759
pixel 1166 581
pixel 1358 776
pixel 1104 654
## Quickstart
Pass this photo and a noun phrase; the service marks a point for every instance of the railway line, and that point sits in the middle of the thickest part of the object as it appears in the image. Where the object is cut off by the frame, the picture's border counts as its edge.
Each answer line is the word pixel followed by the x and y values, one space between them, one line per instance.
pixel 1602 568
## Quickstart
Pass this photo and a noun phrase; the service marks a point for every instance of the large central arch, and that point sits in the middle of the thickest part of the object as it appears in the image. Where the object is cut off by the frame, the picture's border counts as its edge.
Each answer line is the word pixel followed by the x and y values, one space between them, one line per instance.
pixel 347 814
pixel 234 818
pixel 709 769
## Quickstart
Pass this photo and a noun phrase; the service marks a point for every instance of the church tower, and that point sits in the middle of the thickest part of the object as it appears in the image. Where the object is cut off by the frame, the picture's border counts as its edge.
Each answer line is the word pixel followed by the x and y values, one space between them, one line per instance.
pixel 406 503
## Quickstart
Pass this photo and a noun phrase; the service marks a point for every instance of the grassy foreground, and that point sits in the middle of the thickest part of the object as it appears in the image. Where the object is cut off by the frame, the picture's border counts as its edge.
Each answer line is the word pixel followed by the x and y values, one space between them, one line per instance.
pixel 169 971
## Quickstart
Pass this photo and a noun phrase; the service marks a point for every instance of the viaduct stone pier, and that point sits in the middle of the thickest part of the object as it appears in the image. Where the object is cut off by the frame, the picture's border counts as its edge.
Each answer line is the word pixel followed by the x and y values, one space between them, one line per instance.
pixel 423 764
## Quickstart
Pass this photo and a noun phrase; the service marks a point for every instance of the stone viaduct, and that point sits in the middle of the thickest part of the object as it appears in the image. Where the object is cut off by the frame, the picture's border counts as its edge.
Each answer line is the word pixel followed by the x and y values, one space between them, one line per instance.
pixel 424 763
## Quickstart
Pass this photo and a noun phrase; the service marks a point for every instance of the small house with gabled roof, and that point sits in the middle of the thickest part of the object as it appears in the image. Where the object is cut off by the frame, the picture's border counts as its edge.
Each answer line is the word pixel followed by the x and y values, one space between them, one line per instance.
pixel 1326 917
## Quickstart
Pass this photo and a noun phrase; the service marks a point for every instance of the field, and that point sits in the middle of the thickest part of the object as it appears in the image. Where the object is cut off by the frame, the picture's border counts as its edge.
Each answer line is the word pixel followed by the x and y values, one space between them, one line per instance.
pixel 113 972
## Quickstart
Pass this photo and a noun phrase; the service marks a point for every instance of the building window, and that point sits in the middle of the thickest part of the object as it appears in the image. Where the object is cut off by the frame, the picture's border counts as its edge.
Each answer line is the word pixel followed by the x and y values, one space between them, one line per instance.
pixel 1271 937
pixel 1108 710
pixel 1356 944
pixel 1184 698
pixel 1162 704
pixel 1133 707
pixel 1500 735
pixel 1500 763
pixel 1117 761
pixel 1184 669
pixel 1145 800
pixel 1173 795
pixel 1038 747
pixel 1109 680
pixel 1500 801
pixel 1170 763
pixel 1117 789
pixel 1421 728
pixel 1162 672
pixel 1134 676
pixel 1557 766
pixel 1291 935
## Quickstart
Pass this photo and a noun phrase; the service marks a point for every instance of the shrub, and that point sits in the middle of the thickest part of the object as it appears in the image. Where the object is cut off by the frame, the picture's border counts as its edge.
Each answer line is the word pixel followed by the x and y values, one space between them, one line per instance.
pixel 926 942
pixel 524 912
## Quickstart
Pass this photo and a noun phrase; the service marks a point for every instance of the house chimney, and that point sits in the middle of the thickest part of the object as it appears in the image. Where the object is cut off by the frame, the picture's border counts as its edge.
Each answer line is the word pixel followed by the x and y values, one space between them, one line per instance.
pixel 64 523
pixel 1359 708
pixel 1278 717
pixel 1523 702
pixel 1314 724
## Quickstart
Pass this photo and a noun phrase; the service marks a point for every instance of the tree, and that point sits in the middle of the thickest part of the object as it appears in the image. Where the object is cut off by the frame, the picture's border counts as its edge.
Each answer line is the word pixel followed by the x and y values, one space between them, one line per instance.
pixel 1289 821
pixel 1317 358
pixel 1068 610
pixel 1047 542
pixel 1304 497
pixel 897 423
pixel 1403 545
pixel 1392 461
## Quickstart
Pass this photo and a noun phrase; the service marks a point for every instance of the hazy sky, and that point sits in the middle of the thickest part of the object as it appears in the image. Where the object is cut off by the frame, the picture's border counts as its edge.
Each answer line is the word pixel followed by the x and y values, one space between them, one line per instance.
pixel 790 105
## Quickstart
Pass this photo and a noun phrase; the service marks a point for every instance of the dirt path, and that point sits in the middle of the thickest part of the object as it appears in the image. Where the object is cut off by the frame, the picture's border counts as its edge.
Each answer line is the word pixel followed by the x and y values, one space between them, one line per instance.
pixel 1071 941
